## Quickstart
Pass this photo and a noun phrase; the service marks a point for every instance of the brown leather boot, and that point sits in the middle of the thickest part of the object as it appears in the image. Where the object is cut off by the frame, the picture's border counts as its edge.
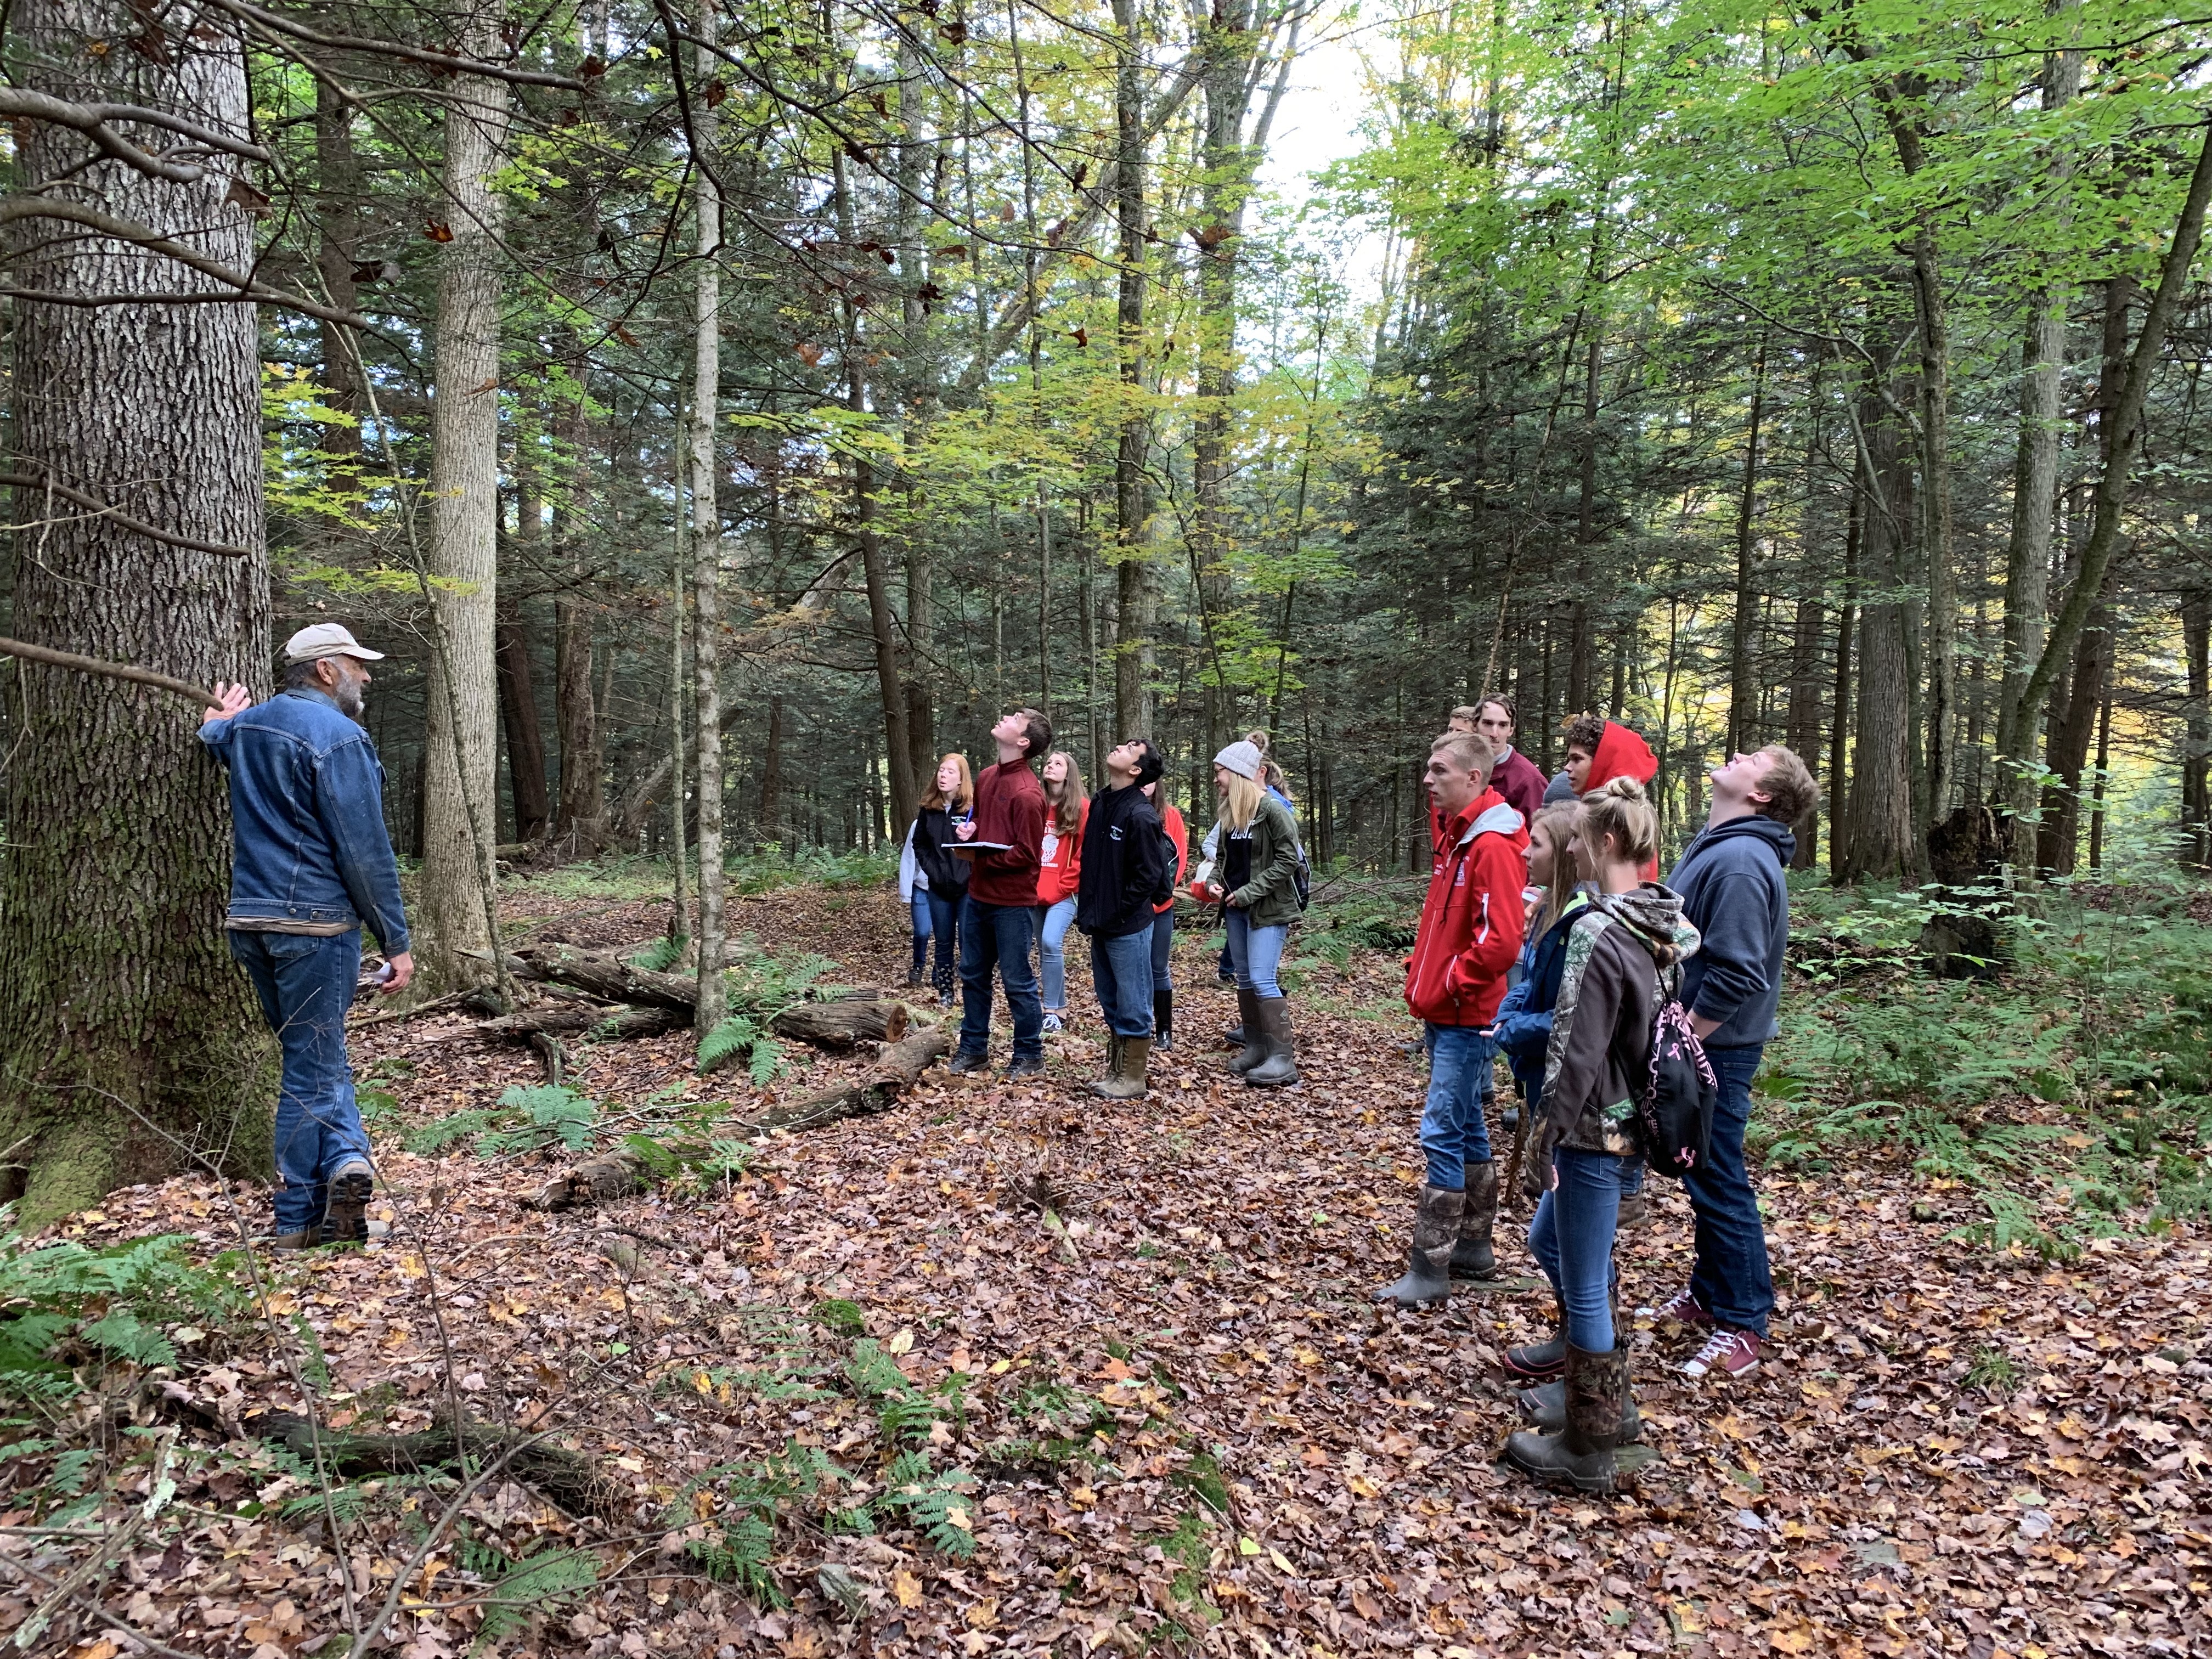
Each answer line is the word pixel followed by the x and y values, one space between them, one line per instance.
pixel 1428 1275
pixel 1475 1257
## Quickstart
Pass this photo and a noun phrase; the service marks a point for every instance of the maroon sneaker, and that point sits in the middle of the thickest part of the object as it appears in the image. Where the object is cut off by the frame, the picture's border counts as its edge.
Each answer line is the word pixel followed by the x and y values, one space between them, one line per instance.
pixel 1680 1309
pixel 1729 1353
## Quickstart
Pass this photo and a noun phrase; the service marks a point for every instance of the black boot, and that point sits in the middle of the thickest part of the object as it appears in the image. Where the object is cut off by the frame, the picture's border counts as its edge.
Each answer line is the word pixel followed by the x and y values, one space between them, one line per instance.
pixel 1580 1455
pixel 1279 1066
pixel 1164 1021
pixel 1473 1256
pixel 1246 1032
pixel 1539 1362
pixel 1545 1407
pixel 1428 1275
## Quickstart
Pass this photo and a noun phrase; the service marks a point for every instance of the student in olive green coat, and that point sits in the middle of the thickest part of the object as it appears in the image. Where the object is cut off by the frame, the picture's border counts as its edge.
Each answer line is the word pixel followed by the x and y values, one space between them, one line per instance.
pixel 1258 878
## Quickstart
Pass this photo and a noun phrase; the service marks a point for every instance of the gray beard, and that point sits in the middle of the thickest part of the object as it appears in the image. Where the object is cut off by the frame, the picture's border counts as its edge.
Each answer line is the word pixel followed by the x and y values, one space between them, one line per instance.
pixel 347 696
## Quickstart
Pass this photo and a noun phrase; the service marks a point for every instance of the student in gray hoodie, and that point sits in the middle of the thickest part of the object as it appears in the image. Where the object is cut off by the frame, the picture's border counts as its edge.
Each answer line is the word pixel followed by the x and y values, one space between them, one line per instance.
pixel 1732 878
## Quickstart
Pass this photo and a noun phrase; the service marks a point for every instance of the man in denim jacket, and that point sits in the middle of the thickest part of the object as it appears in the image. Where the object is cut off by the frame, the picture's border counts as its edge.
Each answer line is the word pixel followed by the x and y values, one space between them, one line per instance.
pixel 311 863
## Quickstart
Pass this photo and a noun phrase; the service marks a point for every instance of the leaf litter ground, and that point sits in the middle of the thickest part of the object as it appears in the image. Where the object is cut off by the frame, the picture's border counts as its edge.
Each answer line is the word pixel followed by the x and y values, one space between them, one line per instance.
pixel 1134 1342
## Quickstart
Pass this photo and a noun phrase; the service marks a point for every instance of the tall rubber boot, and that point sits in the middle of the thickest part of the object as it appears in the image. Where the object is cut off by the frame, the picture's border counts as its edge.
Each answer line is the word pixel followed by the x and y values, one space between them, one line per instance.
pixel 1126 1080
pixel 1539 1361
pixel 1428 1272
pixel 1248 1032
pixel 1281 1066
pixel 1545 1407
pixel 1163 1020
pixel 1475 1256
pixel 1580 1456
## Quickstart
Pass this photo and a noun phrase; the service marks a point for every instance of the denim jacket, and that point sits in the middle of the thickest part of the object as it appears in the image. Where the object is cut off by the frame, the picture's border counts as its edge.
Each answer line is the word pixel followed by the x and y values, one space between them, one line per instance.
pixel 307 812
pixel 1523 1026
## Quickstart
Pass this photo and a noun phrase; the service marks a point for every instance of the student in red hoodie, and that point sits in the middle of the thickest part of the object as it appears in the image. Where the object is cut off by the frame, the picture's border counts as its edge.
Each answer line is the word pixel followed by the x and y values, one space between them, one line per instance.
pixel 1470 935
pixel 996 928
pixel 1598 751
pixel 1059 859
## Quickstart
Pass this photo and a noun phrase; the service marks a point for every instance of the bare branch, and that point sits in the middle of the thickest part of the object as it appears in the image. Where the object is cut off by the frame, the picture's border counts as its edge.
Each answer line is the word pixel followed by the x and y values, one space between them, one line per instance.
pixel 114 670
pixel 447 63
pixel 136 525
pixel 17 103
pixel 27 207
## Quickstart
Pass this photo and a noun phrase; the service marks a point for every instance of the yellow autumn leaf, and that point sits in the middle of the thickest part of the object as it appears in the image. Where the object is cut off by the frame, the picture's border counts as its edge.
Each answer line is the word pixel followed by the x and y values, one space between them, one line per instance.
pixel 1248 1547
pixel 902 1343
pixel 907 1587
pixel 1282 1562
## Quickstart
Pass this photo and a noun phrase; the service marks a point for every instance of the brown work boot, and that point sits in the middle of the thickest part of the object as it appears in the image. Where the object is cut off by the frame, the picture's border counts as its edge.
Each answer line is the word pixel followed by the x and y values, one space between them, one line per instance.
pixel 1125 1078
pixel 1278 1064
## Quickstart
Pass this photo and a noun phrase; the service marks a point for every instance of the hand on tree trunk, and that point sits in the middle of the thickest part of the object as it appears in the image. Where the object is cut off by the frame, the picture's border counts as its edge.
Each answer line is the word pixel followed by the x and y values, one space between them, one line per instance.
pixel 233 700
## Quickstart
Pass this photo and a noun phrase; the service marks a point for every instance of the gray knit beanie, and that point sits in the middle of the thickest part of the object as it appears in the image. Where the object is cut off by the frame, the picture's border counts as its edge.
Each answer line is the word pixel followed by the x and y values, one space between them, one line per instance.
pixel 1244 759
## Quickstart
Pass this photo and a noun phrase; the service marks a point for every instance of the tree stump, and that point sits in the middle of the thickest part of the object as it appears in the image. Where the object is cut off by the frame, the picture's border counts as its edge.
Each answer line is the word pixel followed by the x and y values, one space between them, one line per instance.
pixel 1966 936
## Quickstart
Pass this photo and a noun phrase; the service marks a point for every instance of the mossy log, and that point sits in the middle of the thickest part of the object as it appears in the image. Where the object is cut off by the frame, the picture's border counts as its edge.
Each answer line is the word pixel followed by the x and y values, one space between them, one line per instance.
pixel 609 978
pixel 841 1025
pixel 565 1478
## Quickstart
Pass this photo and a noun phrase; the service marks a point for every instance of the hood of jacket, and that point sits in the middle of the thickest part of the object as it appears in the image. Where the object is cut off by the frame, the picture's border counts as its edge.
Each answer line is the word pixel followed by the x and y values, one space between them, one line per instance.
pixel 1655 914
pixel 1621 754
pixel 1777 836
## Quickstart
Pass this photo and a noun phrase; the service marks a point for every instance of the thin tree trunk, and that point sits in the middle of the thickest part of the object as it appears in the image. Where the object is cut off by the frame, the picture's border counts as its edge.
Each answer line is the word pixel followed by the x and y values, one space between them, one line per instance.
pixel 1881 842
pixel 525 741
pixel 462 695
pixel 127 1044
pixel 1840 719
pixel 1743 687
pixel 771 799
pixel 337 203
pixel 2196 742
pixel 1133 645
pixel 707 542
pixel 580 821
pixel 1580 644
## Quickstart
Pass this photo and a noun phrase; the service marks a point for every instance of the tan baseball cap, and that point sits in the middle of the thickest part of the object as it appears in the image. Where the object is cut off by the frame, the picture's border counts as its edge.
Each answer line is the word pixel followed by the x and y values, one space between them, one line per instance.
pixel 327 640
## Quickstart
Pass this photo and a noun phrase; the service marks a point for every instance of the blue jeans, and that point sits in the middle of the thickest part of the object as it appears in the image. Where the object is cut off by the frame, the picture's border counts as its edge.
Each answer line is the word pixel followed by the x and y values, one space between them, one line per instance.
pixel 1731 1279
pixel 998 936
pixel 1256 952
pixel 944 929
pixel 1122 969
pixel 918 910
pixel 1571 1238
pixel 1162 949
pixel 306 983
pixel 1453 1134
pixel 1052 922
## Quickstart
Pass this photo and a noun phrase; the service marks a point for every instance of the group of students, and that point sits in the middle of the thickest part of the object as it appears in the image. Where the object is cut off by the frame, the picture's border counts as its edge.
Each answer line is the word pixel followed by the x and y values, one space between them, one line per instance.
pixel 1546 936
pixel 1001 864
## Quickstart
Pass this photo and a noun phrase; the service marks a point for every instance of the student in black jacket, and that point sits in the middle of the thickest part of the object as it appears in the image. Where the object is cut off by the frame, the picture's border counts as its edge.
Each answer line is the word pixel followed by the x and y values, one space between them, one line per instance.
pixel 1127 870
pixel 952 797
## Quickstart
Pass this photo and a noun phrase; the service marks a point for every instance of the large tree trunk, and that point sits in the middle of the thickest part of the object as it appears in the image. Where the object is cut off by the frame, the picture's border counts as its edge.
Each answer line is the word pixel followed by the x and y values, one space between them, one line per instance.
pixel 1880 841
pixel 1743 687
pixel 460 734
pixel 129 1046
pixel 706 545
pixel 337 206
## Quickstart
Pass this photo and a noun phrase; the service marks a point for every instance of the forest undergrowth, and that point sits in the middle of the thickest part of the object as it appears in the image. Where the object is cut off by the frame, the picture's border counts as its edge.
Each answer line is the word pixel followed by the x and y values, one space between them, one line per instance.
pixel 1007 1369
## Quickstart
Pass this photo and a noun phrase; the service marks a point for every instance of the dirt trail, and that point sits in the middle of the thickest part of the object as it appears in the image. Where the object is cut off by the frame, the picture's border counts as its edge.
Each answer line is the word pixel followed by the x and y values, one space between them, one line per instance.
pixel 1948 1453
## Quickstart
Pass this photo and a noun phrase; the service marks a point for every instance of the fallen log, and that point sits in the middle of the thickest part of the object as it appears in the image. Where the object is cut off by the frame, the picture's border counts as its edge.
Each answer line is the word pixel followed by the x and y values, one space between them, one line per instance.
pixel 618 1175
pixel 577 1020
pixel 609 978
pixel 841 1025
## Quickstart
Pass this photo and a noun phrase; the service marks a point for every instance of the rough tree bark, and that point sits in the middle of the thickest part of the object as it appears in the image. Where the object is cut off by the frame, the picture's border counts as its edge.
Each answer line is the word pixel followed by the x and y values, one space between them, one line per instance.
pixel 461 736
pixel 526 740
pixel 2197 751
pixel 128 1042
pixel 1743 687
pixel 1880 841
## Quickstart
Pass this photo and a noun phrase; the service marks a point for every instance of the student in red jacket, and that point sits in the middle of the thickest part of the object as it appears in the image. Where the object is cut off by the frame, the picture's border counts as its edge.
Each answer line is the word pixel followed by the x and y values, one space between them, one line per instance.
pixel 995 929
pixel 1470 935
pixel 1059 859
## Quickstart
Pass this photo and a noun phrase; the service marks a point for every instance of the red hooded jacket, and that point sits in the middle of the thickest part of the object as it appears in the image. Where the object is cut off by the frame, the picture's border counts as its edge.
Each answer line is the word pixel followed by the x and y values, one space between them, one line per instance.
pixel 1471 922
pixel 1622 754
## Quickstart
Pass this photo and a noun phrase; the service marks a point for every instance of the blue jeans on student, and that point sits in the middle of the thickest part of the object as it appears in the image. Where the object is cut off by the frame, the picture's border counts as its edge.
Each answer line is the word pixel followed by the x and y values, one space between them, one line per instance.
pixel 306 983
pixel 1571 1238
pixel 944 929
pixel 1731 1280
pixel 1052 922
pixel 1256 952
pixel 1453 1134
pixel 998 936
pixel 1122 969
pixel 918 910
pixel 1162 949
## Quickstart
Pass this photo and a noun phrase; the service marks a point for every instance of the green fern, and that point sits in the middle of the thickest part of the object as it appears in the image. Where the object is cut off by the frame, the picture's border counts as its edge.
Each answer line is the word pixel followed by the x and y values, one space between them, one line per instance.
pixel 733 1035
pixel 531 1586
pixel 662 954
pixel 550 1114
pixel 742 1555
pixel 903 1412
pixel 434 1137
pixel 935 1503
